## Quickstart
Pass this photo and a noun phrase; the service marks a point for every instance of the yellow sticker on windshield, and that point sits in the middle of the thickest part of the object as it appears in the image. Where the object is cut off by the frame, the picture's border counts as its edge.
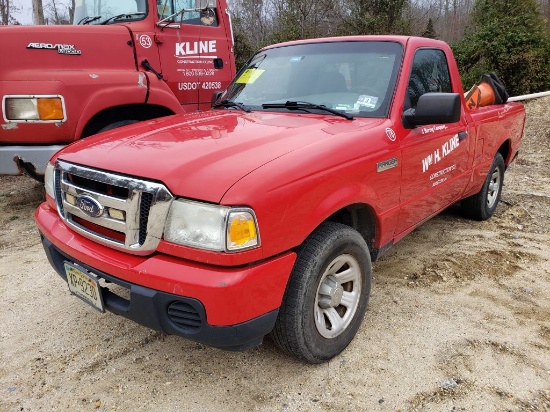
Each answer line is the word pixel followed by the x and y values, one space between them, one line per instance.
pixel 250 76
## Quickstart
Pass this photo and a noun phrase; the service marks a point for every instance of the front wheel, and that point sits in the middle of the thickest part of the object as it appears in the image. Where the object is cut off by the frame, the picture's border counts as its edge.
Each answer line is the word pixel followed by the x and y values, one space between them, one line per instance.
pixel 327 294
pixel 483 204
pixel 116 125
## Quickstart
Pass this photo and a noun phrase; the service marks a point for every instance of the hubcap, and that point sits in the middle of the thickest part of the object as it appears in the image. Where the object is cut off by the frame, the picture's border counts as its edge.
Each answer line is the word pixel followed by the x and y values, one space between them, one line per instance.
pixel 494 188
pixel 337 296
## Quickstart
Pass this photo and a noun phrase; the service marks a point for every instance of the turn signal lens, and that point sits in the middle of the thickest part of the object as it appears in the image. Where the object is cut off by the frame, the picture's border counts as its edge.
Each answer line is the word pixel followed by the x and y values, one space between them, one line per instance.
pixel 242 231
pixel 70 199
pixel 50 109
pixel 117 214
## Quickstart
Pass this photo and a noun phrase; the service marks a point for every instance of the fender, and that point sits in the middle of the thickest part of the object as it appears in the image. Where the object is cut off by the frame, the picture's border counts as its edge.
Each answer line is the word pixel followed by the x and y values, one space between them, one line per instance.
pixel 288 214
pixel 114 89
pixel 161 95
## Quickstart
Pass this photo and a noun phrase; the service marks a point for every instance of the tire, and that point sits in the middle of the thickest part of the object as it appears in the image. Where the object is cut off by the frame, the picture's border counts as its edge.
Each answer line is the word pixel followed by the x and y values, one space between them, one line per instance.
pixel 326 296
pixel 483 204
pixel 116 125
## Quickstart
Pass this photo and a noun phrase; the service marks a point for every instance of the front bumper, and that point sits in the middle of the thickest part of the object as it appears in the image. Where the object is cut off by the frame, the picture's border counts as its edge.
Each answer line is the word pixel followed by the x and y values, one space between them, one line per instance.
pixel 232 308
pixel 32 160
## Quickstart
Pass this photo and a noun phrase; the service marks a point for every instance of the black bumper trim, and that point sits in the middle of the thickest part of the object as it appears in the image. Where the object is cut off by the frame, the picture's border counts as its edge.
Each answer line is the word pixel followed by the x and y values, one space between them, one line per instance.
pixel 149 308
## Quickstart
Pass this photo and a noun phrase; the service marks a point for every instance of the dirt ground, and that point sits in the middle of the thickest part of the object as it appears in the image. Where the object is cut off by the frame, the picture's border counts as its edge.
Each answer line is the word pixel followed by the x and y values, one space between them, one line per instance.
pixel 459 320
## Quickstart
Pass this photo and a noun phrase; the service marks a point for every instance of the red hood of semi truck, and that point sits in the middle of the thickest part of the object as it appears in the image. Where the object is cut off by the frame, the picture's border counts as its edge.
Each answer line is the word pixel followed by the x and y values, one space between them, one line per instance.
pixel 28 48
pixel 200 156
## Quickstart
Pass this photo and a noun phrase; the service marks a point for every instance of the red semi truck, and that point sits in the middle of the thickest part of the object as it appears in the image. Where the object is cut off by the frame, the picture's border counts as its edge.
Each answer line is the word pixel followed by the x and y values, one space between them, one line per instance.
pixel 262 216
pixel 122 62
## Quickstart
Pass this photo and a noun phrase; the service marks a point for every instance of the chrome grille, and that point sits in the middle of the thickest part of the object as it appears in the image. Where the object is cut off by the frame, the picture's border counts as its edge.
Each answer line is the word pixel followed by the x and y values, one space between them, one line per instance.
pixel 133 210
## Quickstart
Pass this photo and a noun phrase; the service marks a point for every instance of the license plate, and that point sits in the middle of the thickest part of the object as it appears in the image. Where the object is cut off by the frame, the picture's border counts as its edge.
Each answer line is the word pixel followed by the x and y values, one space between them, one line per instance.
pixel 85 286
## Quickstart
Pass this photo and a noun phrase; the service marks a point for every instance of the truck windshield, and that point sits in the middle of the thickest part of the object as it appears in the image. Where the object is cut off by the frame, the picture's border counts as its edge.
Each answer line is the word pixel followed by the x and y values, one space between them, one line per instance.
pixel 108 11
pixel 355 77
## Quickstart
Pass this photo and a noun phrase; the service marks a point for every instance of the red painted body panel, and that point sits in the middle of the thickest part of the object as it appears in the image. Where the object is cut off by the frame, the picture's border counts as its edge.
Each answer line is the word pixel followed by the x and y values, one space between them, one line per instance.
pixel 295 170
pixel 229 295
pixel 106 77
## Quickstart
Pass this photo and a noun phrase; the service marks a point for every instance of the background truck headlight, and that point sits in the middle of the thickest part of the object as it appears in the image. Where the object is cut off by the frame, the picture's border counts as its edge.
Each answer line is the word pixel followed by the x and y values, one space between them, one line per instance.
pixel 211 227
pixel 34 109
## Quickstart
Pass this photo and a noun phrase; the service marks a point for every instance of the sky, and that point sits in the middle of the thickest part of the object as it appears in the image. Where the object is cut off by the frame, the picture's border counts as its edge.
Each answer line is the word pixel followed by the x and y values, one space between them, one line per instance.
pixel 24 15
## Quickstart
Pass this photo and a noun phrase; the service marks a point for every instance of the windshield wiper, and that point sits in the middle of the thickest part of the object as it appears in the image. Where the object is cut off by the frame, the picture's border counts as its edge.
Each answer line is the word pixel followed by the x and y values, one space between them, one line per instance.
pixel 229 103
pixel 88 19
pixel 122 16
pixel 299 105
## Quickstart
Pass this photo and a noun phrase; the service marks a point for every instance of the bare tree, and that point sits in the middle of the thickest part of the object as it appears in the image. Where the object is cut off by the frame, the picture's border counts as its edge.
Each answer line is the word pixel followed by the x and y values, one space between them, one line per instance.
pixel 7 9
pixel 38 12
pixel 4 11
pixel 59 11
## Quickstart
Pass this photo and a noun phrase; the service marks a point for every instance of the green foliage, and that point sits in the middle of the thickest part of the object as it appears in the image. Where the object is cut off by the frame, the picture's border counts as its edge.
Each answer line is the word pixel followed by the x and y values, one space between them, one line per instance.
pixel 430 30
pixel 375 17
pixel 508 37
pixel 290 28
pixel 304 19
pixel 243 48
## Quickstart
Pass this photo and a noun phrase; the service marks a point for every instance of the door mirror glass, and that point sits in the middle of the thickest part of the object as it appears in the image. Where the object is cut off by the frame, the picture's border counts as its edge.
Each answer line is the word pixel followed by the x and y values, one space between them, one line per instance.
pixel 433 108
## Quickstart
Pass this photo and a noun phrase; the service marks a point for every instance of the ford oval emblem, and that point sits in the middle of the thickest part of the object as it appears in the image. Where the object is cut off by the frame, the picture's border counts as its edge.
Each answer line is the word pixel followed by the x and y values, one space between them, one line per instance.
pixel 89 206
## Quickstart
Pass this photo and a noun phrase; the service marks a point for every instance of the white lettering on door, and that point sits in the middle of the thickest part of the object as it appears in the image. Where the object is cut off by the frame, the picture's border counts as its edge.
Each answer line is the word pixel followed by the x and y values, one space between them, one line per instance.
pixel 195 48
pixel 439 154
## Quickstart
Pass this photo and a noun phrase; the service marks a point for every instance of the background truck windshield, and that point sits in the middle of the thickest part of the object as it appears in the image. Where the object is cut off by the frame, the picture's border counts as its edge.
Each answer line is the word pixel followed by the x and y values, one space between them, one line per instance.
pixel 356 77
pixel 87 10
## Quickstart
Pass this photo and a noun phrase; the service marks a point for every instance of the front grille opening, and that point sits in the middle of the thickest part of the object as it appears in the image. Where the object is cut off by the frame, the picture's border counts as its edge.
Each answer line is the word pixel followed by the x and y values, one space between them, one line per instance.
pixel 100 230
pixel 146 202
pixel 119 290
pixel 98 187
pixel 184 316
pixel 57 187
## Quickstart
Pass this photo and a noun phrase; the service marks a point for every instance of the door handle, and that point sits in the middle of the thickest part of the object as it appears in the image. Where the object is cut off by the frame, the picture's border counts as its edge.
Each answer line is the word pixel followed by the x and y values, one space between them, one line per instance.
pixel 462 135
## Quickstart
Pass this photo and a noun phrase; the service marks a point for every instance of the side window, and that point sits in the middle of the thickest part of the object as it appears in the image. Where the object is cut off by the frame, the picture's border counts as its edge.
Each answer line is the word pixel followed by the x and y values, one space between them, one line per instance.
pixel 200 18
pixel 430 73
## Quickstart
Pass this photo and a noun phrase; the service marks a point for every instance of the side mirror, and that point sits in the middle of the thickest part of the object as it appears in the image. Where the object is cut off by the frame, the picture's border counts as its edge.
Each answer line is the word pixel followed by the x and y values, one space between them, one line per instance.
pixel 215 97
pixel 433 108
pixel 205 4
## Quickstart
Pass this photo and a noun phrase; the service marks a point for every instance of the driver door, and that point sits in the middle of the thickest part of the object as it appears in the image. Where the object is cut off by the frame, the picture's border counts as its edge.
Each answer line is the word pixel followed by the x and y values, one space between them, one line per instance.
pixel 435 157
pixel 192 42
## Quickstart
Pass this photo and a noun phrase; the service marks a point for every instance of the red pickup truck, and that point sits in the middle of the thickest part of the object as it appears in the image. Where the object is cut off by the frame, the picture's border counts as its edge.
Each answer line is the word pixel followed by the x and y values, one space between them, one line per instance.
pixel 263 215
pixel 120 63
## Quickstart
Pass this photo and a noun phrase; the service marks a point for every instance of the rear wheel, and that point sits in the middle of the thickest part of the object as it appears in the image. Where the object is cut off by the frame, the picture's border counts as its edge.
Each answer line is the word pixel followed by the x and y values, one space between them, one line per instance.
pixel 483 204
pixel 327 294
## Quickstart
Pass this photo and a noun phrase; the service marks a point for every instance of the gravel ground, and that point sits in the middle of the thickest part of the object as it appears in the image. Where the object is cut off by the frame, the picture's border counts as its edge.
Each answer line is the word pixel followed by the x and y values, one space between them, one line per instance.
pixel 459 320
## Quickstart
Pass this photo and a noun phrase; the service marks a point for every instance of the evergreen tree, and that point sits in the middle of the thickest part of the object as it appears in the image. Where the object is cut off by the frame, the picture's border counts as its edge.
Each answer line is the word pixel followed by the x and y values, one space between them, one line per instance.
pixel 375 17
pixel 243 49
pixel 430 31
pixel 510 38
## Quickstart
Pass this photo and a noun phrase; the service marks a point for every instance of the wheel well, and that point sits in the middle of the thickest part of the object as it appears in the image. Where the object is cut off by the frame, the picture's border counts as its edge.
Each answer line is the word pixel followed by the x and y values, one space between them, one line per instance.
pixel 127 112
pixel 504 150
pixel 360 217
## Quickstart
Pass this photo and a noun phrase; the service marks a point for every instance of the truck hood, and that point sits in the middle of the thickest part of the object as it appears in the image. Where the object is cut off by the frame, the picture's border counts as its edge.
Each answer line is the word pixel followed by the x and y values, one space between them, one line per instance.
pixel 200 156
pixel 64 47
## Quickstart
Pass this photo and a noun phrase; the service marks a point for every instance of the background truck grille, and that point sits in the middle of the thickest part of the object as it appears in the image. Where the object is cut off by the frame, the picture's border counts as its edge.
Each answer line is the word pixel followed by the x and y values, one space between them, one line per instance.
pixel 128 213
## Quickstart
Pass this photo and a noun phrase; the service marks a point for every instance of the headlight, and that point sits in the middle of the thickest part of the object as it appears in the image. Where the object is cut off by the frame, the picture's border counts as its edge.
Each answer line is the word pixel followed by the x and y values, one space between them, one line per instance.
pixel 34 108
pixel 49 180
pixel 211 227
